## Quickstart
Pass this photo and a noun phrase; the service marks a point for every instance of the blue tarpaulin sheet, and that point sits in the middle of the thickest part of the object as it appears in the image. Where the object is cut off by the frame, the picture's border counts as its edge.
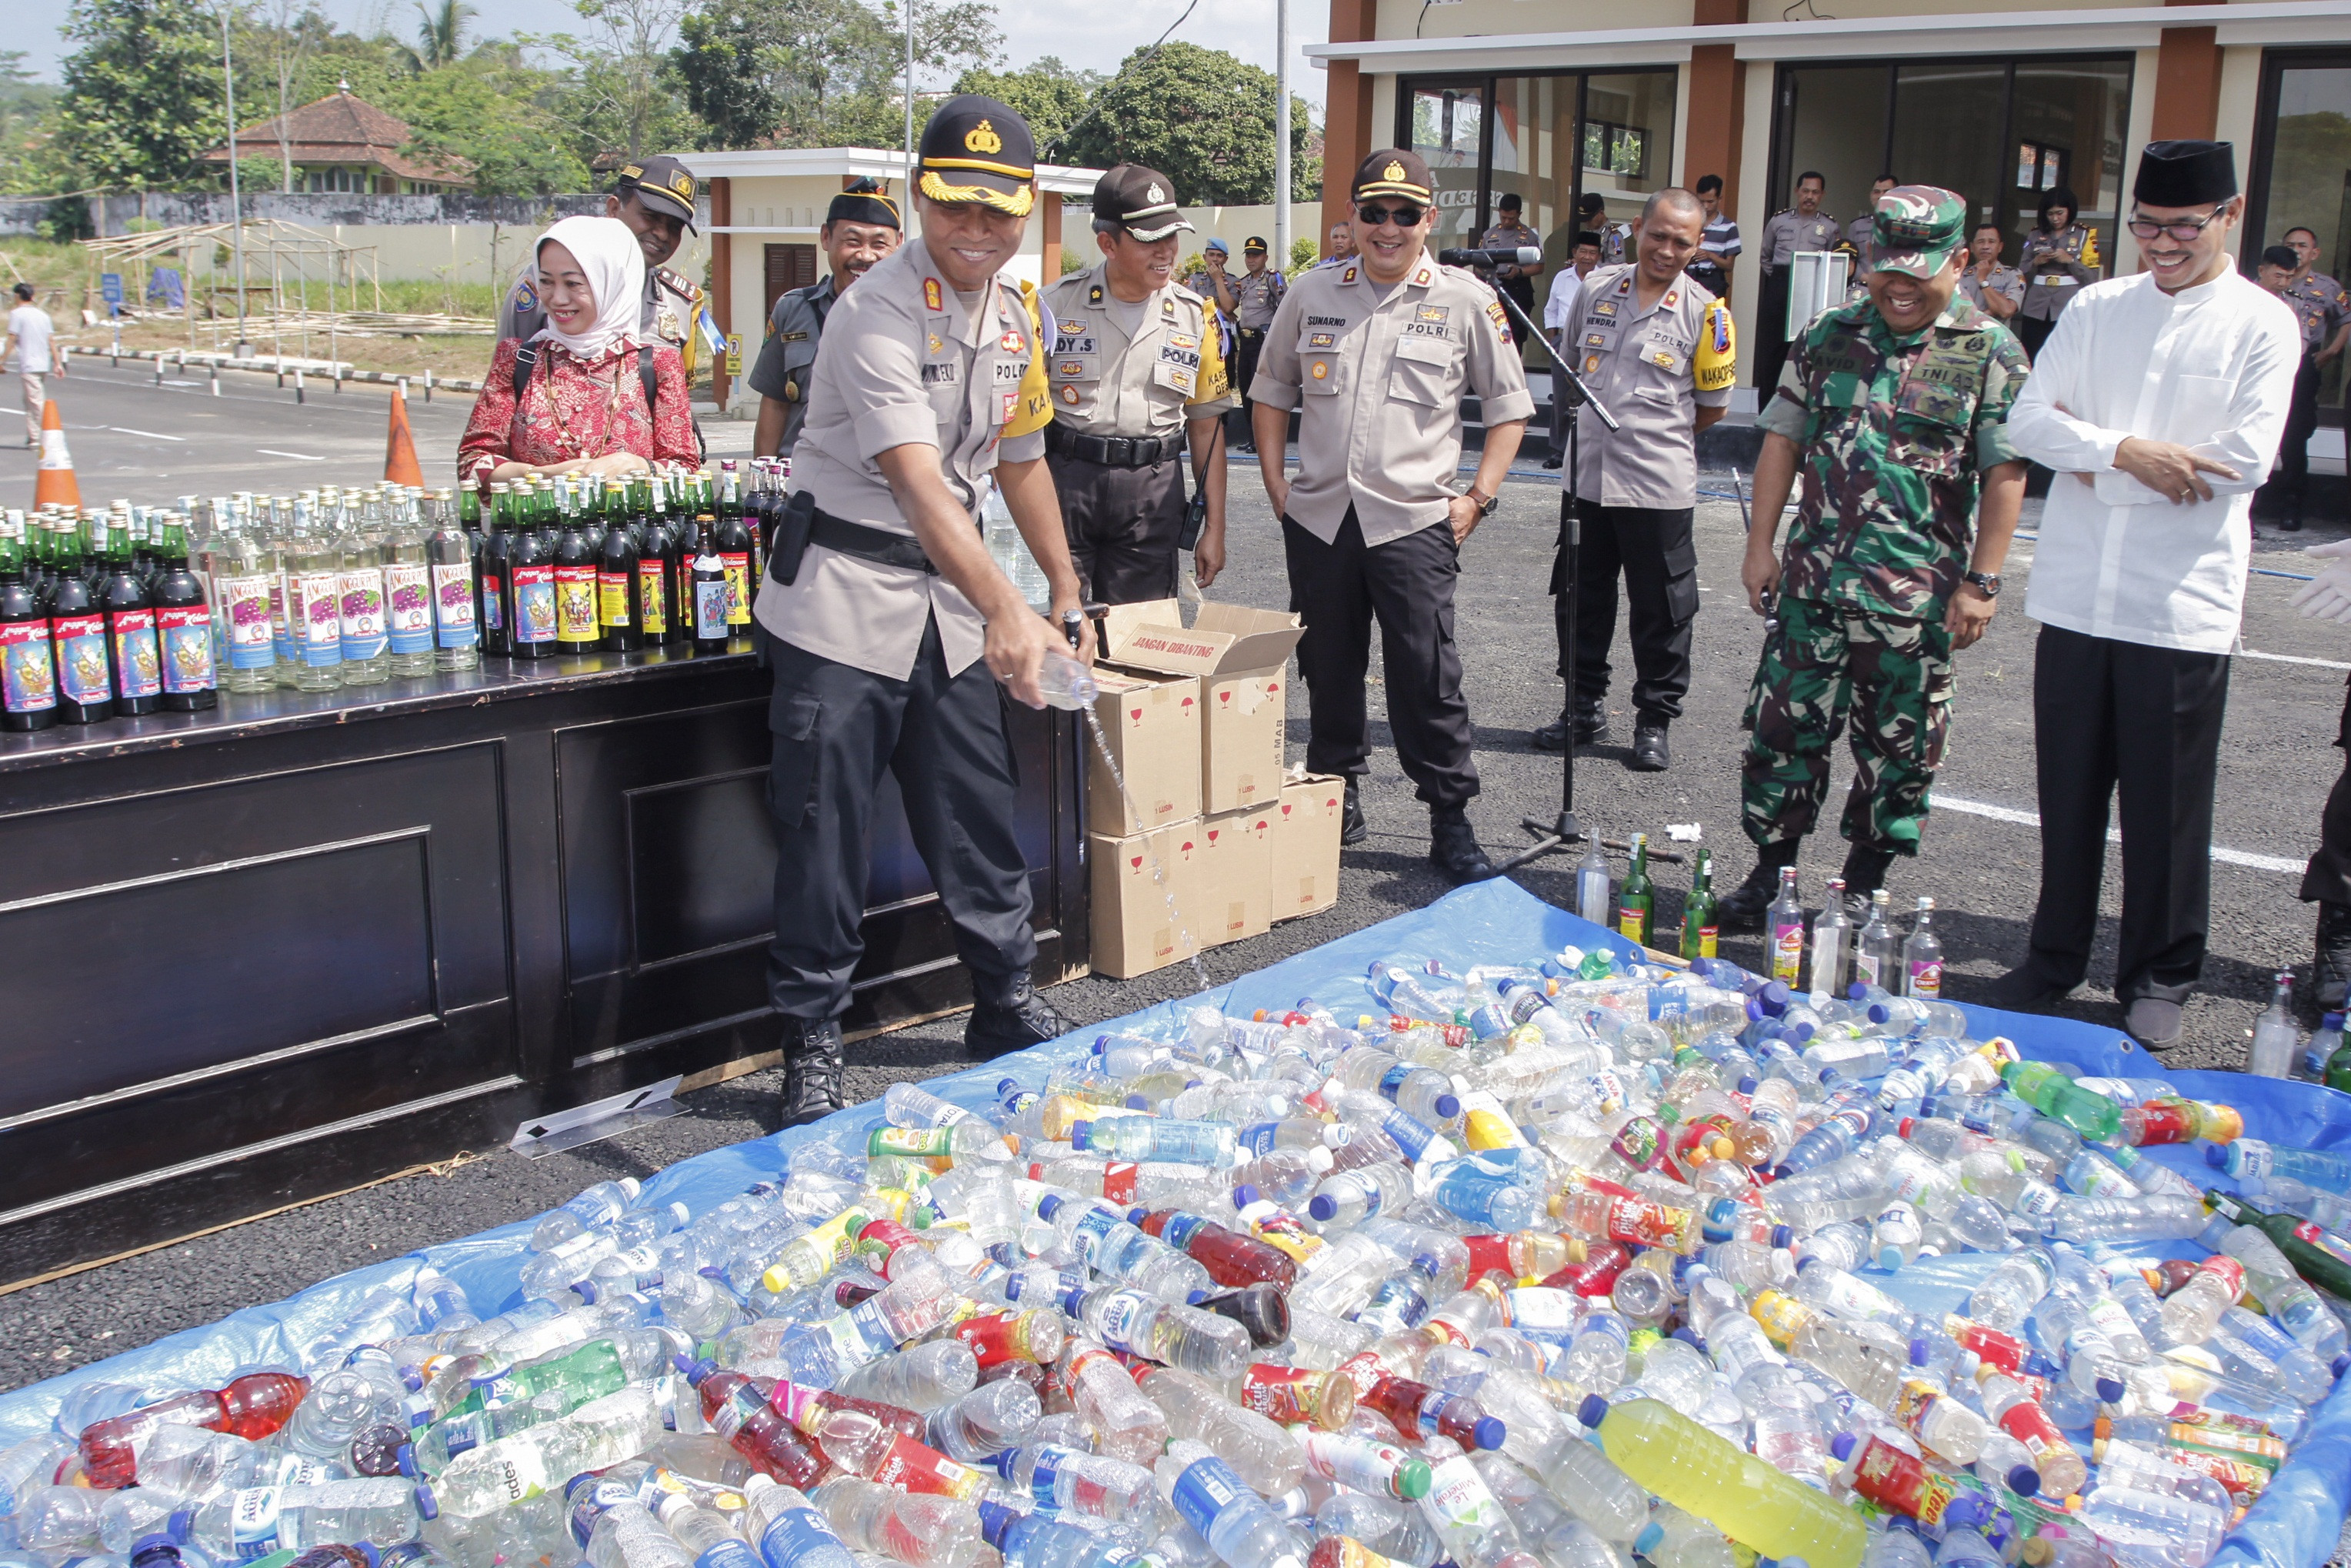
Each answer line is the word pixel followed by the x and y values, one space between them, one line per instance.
pixel 2295 1523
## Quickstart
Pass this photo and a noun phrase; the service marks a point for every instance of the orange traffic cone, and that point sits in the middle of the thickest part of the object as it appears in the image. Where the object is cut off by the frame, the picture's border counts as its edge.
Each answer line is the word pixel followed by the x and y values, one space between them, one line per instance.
pixel 398 447
pixel 54 485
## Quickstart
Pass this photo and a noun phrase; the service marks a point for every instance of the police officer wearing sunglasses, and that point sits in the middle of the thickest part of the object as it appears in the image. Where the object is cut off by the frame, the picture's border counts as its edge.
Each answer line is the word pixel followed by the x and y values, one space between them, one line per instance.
pixel 1376 356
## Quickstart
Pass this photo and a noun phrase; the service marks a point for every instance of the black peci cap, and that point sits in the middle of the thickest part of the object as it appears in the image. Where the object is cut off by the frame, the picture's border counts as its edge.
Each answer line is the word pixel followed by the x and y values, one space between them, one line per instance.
pixel 862 202
pixel 1392 171
pixel 2184 173
pixel 662 183
pixel 1139 200
pixel 978 149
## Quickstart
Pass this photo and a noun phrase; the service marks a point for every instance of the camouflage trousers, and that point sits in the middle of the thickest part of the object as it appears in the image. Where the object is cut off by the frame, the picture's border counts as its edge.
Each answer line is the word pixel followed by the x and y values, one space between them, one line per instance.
pixel 1826 665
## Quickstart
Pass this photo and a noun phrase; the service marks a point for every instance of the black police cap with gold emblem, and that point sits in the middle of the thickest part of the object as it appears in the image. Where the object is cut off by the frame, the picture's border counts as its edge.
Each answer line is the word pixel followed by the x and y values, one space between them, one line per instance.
pixel 1139 200
pixel 862 202
pixel 978 149
pixel 661 183
pixel 1392 171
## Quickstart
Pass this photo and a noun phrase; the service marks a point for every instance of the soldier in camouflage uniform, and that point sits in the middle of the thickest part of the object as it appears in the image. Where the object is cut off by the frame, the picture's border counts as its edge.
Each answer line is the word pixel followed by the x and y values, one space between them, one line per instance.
pixel 1894 407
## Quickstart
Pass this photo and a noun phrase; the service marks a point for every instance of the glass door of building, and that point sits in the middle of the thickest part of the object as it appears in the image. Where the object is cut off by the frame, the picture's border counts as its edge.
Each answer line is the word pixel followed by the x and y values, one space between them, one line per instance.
pixel 2301 174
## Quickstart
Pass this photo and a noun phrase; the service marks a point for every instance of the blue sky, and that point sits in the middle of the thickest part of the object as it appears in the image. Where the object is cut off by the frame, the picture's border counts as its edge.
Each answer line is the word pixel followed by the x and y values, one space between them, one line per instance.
pixel 1084 33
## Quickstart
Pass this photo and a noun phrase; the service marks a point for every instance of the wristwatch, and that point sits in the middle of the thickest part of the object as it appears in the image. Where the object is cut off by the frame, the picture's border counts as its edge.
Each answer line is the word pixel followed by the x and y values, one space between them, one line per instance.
pixel 1987 583
pixel 1486 504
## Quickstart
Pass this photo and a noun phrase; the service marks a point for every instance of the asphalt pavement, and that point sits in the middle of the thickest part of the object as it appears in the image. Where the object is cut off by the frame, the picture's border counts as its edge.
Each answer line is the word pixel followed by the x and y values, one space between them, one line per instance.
pixel 1980 858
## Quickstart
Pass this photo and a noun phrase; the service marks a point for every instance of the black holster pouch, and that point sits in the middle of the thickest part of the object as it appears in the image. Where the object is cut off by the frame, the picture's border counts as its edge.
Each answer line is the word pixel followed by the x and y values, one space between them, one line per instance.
pixel 794 519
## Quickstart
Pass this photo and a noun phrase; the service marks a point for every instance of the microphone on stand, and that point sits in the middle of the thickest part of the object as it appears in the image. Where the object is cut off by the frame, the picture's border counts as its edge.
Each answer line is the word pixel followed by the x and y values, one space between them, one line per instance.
pixel 1518 255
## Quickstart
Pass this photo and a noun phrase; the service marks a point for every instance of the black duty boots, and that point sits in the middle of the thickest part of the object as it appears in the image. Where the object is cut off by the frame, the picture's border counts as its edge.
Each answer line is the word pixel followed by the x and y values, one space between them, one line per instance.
pixel 812 1068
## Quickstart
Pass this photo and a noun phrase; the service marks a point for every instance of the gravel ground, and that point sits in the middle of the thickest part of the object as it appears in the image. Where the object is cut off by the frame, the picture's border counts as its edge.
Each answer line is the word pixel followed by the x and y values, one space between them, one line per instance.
pixel 2277 764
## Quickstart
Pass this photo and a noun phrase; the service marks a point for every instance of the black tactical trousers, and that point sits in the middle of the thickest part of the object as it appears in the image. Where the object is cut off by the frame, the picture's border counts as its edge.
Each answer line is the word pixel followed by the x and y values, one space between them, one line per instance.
pixel 1406 586
pixel 837 729
pixel 1123 525
pixel 2327 878
pixel 1652 549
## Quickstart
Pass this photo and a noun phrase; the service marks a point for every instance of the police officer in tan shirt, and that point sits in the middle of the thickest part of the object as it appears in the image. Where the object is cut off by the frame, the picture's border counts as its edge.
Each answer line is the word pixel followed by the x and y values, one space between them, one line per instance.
pixel 1137 378
pixel 1376 356
pixel 1657 351
pixel 891 627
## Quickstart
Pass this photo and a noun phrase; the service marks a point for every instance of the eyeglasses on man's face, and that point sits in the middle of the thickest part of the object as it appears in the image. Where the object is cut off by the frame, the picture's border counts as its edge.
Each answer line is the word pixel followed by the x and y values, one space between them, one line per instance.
pixel 2184 230
pixel 1403 215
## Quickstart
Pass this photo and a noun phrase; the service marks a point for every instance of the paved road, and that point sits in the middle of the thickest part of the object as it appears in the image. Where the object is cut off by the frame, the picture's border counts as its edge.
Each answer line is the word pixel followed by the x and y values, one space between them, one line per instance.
pixel 1980 860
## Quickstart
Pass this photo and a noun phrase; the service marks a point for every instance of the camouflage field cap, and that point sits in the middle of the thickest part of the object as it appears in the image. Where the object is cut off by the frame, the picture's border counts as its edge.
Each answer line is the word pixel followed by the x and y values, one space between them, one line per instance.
pixel 1916 228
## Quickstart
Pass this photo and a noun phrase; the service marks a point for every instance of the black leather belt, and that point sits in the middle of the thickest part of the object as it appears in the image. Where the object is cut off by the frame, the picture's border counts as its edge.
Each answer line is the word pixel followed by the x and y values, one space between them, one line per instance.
pixel 1251 331
pixel 869 544
pixel 1113 450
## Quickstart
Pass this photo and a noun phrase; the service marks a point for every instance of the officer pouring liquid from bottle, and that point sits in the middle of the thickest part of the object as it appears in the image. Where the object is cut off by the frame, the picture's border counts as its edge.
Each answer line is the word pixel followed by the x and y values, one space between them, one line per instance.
pixel 1136 378
pixel 890 627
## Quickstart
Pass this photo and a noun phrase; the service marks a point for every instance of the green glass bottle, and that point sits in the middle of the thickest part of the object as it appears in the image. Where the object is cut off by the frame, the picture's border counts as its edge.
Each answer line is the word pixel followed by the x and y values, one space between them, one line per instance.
pixel 2338 1068
pixel 2322 1257
pixel 1636 901
pixel 1698 925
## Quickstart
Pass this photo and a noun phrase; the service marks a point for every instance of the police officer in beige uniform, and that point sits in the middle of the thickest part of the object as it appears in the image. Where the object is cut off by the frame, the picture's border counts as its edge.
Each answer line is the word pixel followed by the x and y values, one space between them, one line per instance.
pixel 891 627
pixel 1136 375
pixel 1803 227
pixel 1376 356
pixel 860 228
pixel 1657 351
pixel 1257 294
pixel 1862 233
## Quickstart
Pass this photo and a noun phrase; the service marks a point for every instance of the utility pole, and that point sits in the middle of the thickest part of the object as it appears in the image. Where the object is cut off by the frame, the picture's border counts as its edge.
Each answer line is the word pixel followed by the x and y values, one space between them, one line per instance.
pixel 907 196
pixel 1282 135
pixel 236 197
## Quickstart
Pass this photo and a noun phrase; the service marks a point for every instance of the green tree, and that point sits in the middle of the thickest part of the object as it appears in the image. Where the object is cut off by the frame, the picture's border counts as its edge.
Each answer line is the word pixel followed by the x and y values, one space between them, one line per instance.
pixel 488 110
pixel 1049 94
pixel 816 73
pixel 142 92
pixel 441 32
pixel 28 122
pixel 1203 117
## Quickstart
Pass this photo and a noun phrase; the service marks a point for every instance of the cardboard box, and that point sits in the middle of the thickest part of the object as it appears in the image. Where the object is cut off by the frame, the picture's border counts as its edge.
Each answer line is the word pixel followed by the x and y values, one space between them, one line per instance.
pixel 1134 933
pixel 1241 657
pixel 1151 725
pixel 1237 872
pixel 1306 845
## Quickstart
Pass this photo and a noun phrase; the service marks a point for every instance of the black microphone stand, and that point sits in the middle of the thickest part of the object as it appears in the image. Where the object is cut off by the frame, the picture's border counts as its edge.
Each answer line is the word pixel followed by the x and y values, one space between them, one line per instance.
pixel 1565 831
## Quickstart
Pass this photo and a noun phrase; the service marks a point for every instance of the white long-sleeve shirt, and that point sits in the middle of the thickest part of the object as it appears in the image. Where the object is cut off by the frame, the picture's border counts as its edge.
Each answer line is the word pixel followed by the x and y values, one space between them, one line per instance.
pixel 2209 368
pixel 1559 305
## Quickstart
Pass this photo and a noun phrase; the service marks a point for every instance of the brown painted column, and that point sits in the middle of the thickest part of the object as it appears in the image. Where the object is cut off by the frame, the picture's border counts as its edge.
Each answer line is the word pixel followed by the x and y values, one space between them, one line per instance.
pixel 1718 103
pixel 2186 82
pixel 722 276
pixel 1347 133
pixel 1051 202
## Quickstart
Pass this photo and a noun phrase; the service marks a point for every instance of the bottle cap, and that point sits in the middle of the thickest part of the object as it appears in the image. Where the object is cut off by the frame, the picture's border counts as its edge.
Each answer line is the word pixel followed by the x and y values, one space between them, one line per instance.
pixel 181 1525
pixel 1749 1085
pixel 1005 1086
pixel 994 1520
pixel 1048 1206
pixel 1245 1195
pixel 1593 1410
pixel 428 1507
pixel 406 1458
pixel 2110 1390
pixel 1138 1102
pixel 153 1546
pixel 1413 1480
pixel 1784 1235
pixel 1003 1462
pixel 2216 1156
pixel 1447 1106
pixel 1842 1445
pixel 1966 1512
pixel 1320 1160
pixel 2024 1480
pixel 1652 1536
pixel 1322 1207
pixel 1070 1300
pixel 1079 1133
pixel 1920 1351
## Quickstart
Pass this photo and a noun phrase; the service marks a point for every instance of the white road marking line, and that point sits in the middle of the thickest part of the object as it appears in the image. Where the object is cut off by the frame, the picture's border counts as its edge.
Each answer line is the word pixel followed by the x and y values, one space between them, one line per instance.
pixel 149 435
pixel 298 456
pixel 2293 658
pixel 2113 835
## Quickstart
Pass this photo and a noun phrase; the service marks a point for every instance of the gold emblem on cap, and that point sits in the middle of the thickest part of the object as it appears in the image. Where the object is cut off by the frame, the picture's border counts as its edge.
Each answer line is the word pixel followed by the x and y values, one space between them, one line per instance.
pixel 1394 171
pixel 982 138
pixel 630 171
pixel 683 185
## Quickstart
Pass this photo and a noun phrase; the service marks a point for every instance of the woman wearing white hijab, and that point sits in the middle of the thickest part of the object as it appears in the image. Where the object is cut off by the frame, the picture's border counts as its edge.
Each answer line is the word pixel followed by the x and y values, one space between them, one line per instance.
pixel 582 409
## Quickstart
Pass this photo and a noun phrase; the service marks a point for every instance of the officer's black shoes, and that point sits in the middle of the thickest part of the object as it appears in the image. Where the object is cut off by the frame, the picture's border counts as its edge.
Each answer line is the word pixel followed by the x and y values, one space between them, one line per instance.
pixel 2291 522
pixel 1352 829
pixel 1589 722
pixel 1742 909
pixel 812 1068
pixel 2024 990
pixel 1551 736
pixel 2153 1022
pixel 1015 1024
pixel 2330 976
pixel 1453 846
pixel 1650 752
pixel 1865 873
pixel 1551 461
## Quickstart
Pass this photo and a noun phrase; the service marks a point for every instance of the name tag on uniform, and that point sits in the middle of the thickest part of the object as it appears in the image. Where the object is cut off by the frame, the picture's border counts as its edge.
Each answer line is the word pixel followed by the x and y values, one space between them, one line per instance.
pixel 1179 364
pixel 940 373
pixel 1075 342
pixel 1010 371
pixel 1436 330
pixel 792 337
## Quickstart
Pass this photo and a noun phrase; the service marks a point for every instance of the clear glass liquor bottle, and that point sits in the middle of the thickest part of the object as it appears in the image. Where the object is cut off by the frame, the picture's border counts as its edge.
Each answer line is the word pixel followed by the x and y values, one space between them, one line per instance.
pixel 314 601
pixel 407 590
pixel 1922 955
pixel 366 657
pixel 1832 942
pixel 1878 956
pixel 242 569
pixel 452 552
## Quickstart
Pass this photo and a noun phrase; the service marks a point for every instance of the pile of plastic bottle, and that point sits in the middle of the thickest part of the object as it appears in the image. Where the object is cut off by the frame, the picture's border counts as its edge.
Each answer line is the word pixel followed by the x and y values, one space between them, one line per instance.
pixel 1552 1267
